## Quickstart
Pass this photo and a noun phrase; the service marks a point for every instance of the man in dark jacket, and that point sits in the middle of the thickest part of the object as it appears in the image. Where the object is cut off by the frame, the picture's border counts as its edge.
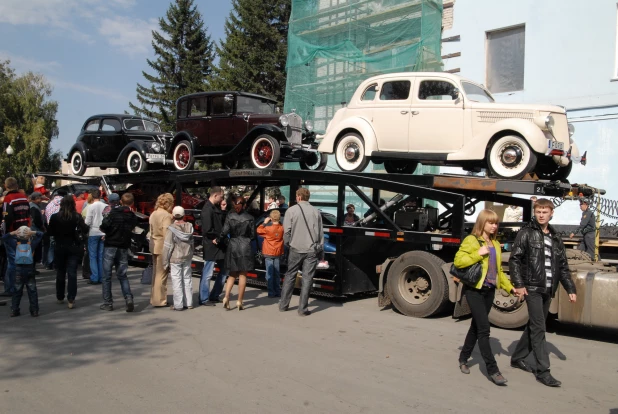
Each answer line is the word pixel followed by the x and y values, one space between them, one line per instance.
pixel 537 263
pixel 587 227
pixel 37 224
pixel 118 227
pixel 212 223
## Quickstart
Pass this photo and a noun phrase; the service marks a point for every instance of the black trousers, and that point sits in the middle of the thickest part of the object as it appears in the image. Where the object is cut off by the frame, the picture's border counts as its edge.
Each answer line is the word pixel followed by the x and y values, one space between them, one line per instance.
pixel 480 301
pixel 533 338
pixel 66 258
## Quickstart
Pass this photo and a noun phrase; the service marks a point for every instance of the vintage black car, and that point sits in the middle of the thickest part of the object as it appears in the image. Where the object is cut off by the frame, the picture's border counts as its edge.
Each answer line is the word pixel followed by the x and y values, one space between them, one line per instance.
pixel 126 142
pixel 233 127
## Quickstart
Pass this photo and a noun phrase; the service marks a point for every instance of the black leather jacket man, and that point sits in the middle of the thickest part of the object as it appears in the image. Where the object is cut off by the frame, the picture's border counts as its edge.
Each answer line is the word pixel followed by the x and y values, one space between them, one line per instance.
pixel 527 262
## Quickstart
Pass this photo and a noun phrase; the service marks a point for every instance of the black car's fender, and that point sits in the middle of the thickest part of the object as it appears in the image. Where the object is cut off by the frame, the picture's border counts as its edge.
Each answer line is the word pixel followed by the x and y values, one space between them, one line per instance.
pixel 245 144
pixel 79 146
pixel 132 146
pixel 182 136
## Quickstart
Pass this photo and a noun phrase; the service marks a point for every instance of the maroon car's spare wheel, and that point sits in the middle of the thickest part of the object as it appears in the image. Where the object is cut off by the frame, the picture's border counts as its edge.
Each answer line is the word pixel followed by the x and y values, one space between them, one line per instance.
pixel 183 156
pixel 265 152
pixel 78 167
pixel 314 161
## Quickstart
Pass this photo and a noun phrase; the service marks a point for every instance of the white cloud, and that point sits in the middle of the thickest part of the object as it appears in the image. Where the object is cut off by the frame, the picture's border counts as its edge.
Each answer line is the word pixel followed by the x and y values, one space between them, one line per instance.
pixel 25 64
pixel 131 36
pixel 107 93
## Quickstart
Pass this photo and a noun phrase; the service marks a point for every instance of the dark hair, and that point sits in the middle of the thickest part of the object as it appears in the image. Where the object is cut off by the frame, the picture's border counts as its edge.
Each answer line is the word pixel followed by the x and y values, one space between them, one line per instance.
pixel 544 203
pixel 62 192
pixel 303 193
pixel 215 190
pixel 96 193
pixel 281 199
pixel 67 208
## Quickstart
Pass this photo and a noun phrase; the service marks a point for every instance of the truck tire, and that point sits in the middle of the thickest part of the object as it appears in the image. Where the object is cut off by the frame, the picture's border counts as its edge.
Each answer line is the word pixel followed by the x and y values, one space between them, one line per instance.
pixel 417 285
pixel 508 318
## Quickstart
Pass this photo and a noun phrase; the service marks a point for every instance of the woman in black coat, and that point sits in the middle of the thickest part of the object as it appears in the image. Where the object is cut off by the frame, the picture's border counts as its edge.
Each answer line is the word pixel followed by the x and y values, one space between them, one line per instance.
pixel 65 226
pixel 239 257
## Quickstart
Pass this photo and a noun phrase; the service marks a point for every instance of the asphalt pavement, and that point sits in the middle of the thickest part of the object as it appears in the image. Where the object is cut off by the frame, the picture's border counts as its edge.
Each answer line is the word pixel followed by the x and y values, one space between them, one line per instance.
pixel 347 357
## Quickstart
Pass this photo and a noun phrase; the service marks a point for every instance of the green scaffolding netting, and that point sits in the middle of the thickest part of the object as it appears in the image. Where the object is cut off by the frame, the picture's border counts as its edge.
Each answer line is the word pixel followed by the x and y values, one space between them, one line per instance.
pixel 333 45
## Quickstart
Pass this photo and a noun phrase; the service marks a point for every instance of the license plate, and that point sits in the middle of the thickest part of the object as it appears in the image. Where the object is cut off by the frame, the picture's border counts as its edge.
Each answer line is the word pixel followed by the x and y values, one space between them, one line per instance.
pixel 552 145
pixel 155 156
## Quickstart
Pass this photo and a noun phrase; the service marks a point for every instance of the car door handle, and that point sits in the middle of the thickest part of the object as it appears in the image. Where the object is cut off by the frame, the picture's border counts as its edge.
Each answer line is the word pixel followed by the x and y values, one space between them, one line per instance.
pixel 404 112
pixel 414 112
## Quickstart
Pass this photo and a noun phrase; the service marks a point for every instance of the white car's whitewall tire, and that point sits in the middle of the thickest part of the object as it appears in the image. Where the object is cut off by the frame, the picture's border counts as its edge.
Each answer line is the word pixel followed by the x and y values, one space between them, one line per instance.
pixel 510 157
pixel 350 153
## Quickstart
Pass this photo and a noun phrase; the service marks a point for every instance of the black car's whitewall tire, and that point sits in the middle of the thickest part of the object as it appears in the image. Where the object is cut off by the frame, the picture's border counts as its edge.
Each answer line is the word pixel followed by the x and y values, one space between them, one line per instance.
pixel 182 156
pixel 265 152
pixel 135 162
pixel 77 165
pixel 350 153
pixel 510 157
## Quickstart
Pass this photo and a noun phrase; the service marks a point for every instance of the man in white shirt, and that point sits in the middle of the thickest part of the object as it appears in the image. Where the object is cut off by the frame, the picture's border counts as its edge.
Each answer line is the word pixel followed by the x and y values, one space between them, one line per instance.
pixel 512 214
pixel 94 217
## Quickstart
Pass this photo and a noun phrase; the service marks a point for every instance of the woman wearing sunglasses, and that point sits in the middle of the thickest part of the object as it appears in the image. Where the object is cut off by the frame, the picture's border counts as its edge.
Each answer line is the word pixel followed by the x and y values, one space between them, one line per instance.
pixel 240 228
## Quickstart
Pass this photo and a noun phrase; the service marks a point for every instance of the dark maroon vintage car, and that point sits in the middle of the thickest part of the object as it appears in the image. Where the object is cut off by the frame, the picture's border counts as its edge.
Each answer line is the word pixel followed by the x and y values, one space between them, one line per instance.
pixel 234 127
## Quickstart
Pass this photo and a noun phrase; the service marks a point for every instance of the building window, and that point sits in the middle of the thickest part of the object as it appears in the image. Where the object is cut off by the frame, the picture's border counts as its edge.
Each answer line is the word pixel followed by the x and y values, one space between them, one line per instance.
pixel 505 59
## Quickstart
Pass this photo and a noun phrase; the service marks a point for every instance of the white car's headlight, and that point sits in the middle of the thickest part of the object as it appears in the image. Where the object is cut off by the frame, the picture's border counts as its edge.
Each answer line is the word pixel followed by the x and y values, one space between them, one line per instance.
pixel 284 121
pixel 309 125
pixel 549 123
pixel 571 130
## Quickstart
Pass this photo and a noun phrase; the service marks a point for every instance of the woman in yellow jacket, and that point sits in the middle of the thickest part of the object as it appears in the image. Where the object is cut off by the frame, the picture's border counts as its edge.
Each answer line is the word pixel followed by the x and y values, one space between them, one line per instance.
pixel 481 246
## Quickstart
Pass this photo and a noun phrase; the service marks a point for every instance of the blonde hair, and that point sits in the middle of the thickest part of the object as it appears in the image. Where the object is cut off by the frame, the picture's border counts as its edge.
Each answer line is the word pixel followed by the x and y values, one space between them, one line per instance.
pixel 275 215
pixel 90 199
pixel 303 193
pixel 484 217
pixel 166 202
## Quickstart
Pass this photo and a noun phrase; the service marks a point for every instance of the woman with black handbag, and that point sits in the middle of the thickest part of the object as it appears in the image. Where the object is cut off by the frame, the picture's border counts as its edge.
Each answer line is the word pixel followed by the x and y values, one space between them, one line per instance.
pixel 68 229
pixel 479 288
pixel 239 258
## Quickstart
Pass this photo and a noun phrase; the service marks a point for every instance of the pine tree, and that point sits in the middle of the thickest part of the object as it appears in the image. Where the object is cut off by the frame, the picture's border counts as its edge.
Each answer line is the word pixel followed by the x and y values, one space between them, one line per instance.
pixel 252 56
pixel 184 54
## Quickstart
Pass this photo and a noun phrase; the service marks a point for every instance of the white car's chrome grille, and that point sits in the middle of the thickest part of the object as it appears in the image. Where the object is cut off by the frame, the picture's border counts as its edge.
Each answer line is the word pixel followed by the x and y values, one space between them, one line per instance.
pixel 294 131
pixel 492 117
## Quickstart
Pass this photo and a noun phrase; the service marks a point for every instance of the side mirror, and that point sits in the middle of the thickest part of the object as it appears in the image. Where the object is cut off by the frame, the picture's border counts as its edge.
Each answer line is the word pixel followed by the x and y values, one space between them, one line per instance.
pixel 456 93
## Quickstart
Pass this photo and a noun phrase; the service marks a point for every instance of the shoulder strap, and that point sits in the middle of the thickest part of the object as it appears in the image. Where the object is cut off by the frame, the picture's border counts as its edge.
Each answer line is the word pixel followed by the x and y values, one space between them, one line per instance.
pixel 306 224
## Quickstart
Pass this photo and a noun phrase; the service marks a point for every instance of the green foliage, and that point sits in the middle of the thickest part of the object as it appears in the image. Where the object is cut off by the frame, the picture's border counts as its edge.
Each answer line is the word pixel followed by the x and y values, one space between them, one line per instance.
pixel 253 55
pixel 184 54
pixel 28 125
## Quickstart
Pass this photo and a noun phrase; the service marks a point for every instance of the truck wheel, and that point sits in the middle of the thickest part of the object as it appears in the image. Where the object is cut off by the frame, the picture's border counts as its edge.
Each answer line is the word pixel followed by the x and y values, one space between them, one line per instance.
pixel 314 161
pixel 547 169
pixel 135 162
pixel 417 284
pixel 400 167
pixel 510 157
pixel 350 153
pixel 265 152
pixel 78 167
pixel 183 156
pixel 507 312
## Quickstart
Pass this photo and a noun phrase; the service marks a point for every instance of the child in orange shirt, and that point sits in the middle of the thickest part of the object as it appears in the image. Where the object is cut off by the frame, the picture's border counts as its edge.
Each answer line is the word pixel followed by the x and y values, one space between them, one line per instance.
pixel 272 249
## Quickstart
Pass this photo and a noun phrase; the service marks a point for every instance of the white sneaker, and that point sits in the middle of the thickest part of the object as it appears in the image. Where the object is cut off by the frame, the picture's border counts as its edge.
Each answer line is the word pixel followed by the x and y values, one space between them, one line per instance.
pixel 323 265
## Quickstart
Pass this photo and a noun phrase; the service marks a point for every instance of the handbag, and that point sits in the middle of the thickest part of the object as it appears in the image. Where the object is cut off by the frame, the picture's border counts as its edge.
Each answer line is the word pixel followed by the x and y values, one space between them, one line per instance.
pixel 470 275
pixel 317 247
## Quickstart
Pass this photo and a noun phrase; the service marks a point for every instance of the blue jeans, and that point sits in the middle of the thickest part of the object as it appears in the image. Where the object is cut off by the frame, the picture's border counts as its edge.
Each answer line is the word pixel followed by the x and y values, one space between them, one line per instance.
pixel 24 276
pixel 95 252
pixel 50 251
pixel 119 257
pixel 207 271
pixel 273 278
pixel 9 276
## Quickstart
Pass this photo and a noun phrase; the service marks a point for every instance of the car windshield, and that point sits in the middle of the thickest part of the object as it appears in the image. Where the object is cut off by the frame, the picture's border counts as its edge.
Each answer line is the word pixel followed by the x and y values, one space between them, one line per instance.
pixel 247 104
pixel 141 125
pixel 476 93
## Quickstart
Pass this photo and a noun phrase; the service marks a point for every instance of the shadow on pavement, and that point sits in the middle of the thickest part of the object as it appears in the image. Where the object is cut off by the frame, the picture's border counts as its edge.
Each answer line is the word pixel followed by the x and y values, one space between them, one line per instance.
pixel 64 339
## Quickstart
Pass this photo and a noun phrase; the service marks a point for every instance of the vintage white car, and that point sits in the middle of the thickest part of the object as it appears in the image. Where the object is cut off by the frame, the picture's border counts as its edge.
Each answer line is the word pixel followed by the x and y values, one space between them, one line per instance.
pixel 403 119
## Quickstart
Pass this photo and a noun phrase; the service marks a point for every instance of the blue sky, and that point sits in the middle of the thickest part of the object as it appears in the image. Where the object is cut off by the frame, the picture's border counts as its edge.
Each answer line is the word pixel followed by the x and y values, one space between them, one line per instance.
pixel 93 52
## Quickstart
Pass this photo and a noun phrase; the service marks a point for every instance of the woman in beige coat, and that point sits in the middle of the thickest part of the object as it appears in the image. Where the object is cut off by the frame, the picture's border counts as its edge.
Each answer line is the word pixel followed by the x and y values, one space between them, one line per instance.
pixel 159 221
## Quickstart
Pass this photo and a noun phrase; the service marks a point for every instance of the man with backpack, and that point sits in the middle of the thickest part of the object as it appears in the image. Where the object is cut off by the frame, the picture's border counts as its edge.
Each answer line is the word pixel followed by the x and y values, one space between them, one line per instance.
pixel 24 242
pixel 118 227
